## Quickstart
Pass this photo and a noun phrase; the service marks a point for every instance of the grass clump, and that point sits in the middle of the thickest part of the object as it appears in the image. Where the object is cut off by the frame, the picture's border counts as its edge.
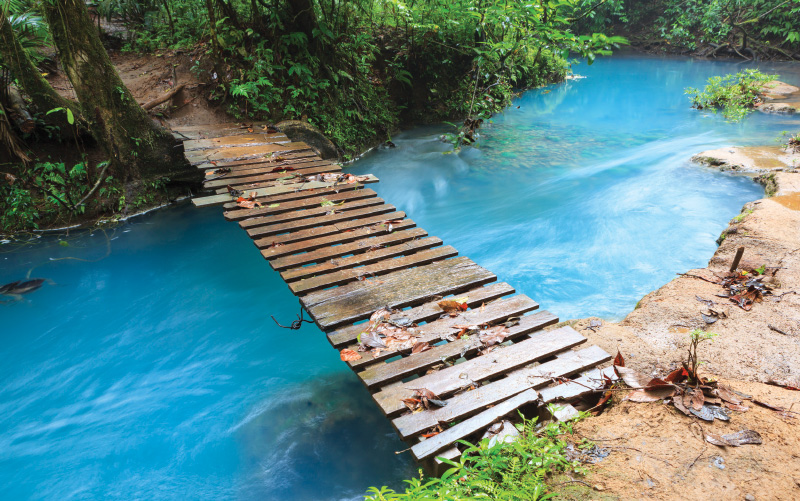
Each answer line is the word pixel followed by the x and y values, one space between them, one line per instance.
pixel 736 94
pixel 508 471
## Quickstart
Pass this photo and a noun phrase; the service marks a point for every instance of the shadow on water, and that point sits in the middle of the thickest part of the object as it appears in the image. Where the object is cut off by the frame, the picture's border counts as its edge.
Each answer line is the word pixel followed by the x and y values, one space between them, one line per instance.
pixel 318 438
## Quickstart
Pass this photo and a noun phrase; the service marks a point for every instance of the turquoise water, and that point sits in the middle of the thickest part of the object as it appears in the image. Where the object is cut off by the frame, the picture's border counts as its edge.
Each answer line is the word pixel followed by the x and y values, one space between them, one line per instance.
pixel 155 372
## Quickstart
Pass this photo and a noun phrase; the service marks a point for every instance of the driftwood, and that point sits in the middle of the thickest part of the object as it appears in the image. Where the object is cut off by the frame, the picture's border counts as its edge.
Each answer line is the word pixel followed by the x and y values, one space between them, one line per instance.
pixel 166 97
pixel 19 111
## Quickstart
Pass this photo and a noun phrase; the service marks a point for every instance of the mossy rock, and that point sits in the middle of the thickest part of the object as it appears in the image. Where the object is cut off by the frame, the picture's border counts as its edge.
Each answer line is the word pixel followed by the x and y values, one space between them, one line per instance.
pixel 298 130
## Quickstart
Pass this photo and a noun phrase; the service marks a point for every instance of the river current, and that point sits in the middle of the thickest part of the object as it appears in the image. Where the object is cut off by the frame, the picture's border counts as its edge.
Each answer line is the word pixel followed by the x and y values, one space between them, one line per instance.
pixel 149 367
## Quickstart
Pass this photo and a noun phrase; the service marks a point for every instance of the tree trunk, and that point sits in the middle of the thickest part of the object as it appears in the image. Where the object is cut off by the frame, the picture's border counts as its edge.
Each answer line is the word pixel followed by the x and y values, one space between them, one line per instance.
pixel 44 97
pixel 136 146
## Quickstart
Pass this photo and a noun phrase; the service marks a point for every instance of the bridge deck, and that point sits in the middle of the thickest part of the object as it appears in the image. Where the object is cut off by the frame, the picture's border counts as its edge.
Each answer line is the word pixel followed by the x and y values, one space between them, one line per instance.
pixel 432 335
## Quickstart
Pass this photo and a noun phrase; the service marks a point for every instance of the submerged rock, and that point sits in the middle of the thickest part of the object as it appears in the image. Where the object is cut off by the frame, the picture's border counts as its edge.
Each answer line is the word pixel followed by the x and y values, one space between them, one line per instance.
pixel 298 130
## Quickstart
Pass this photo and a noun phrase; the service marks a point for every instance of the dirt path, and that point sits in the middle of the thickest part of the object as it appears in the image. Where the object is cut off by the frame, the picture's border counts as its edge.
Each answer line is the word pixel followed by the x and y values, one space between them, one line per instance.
pixel 149 76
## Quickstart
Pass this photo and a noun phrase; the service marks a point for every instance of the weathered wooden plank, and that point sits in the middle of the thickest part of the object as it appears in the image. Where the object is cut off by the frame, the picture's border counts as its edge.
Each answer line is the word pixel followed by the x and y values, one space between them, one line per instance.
pixel 255 171
pixel 273 190
pixel 249 187
pixel 353 302
pixel 383 373
pixel 319 210
pixel 226 127
pixel 267 176
pixel 294 205
pixel 426 312
pixel 293 195
pixel 235 140
pixel 324 220
pixel 375 225
pixel 579 386
pixel 378 269
pixel 333 237
pixel 452 453
pixel 470 402
pixel 565 412
pixel 445 439
pixel 288 158
pixel 438 330
pixel 500 361
pixel 244 152
pixel 365 250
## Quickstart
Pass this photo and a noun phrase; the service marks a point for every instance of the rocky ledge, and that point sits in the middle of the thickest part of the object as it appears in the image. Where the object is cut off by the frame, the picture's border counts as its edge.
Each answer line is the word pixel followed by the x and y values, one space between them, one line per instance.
pixel 779 97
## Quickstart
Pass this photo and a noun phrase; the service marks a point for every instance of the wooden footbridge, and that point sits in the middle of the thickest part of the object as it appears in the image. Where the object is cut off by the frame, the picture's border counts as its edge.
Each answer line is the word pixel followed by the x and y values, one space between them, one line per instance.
pixel 438 334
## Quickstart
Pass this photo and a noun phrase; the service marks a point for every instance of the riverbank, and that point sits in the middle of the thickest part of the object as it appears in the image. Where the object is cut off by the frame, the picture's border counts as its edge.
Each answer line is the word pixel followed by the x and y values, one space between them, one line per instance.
pixel 657 451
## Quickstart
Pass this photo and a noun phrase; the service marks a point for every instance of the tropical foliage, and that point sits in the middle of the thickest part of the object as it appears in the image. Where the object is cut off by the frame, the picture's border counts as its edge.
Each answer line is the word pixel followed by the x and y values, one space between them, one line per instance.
pixel 506 471
pixel 736 94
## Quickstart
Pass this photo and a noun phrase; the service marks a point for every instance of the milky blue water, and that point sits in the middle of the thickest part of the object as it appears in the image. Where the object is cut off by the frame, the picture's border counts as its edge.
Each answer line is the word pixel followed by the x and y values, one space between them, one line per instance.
pixel 150 368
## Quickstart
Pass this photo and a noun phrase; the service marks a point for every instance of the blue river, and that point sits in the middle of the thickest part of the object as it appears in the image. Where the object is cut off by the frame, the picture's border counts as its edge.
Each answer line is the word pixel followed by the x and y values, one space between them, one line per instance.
pixel 148 366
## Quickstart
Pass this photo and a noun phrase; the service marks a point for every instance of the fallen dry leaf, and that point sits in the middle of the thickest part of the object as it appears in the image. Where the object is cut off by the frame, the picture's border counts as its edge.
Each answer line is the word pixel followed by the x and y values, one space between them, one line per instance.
pixel 451 305
pixel 631 377
pixel 349 355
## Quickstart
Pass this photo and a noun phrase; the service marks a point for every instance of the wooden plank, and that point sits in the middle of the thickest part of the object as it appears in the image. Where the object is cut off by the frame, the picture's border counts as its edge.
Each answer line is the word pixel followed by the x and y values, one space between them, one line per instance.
pixel 342 277
pixel 291 196
pixel 579 386
pixel 266 176
pixel 226 127
pixel 438 330
pixel 228 141
pixel 470 402
pixel 273 190
pixel 250 187
pixel 244 152
pixel 565 412
pixel 353 302
pixel 364 250
pixel 324 220
pixel 293 205
pixel 375 225
pixel 445 439
pixel 426 312
pixel 255 170
pixel 452 454
pixel 383 373
pixel 288 158
pixel 318 211
pixel 502 360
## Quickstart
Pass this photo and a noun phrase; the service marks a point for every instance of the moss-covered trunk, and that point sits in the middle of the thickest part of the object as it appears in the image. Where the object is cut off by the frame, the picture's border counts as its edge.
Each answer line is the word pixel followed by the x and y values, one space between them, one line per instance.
pixel 44 97
pixel 137 147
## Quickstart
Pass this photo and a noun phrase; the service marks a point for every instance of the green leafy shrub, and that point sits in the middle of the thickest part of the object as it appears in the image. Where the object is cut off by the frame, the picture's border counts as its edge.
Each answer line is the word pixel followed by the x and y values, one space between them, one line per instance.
pixel 507 471
pixel 736 94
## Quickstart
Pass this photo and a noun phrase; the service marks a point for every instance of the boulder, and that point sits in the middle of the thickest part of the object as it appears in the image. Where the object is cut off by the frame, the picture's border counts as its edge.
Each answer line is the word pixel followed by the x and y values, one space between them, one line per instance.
pixel 298 130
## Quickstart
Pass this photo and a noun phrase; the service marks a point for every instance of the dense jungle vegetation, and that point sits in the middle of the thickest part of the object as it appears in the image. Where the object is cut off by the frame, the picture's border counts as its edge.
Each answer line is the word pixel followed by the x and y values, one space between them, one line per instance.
pixel 358 70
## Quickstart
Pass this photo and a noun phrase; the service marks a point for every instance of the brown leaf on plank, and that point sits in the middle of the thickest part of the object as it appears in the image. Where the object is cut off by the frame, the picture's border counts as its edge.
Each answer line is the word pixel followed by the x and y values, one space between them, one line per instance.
pixel 619 361
pixel 452 306
pixel 420 347
pixel 349 355
pixel 493 336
